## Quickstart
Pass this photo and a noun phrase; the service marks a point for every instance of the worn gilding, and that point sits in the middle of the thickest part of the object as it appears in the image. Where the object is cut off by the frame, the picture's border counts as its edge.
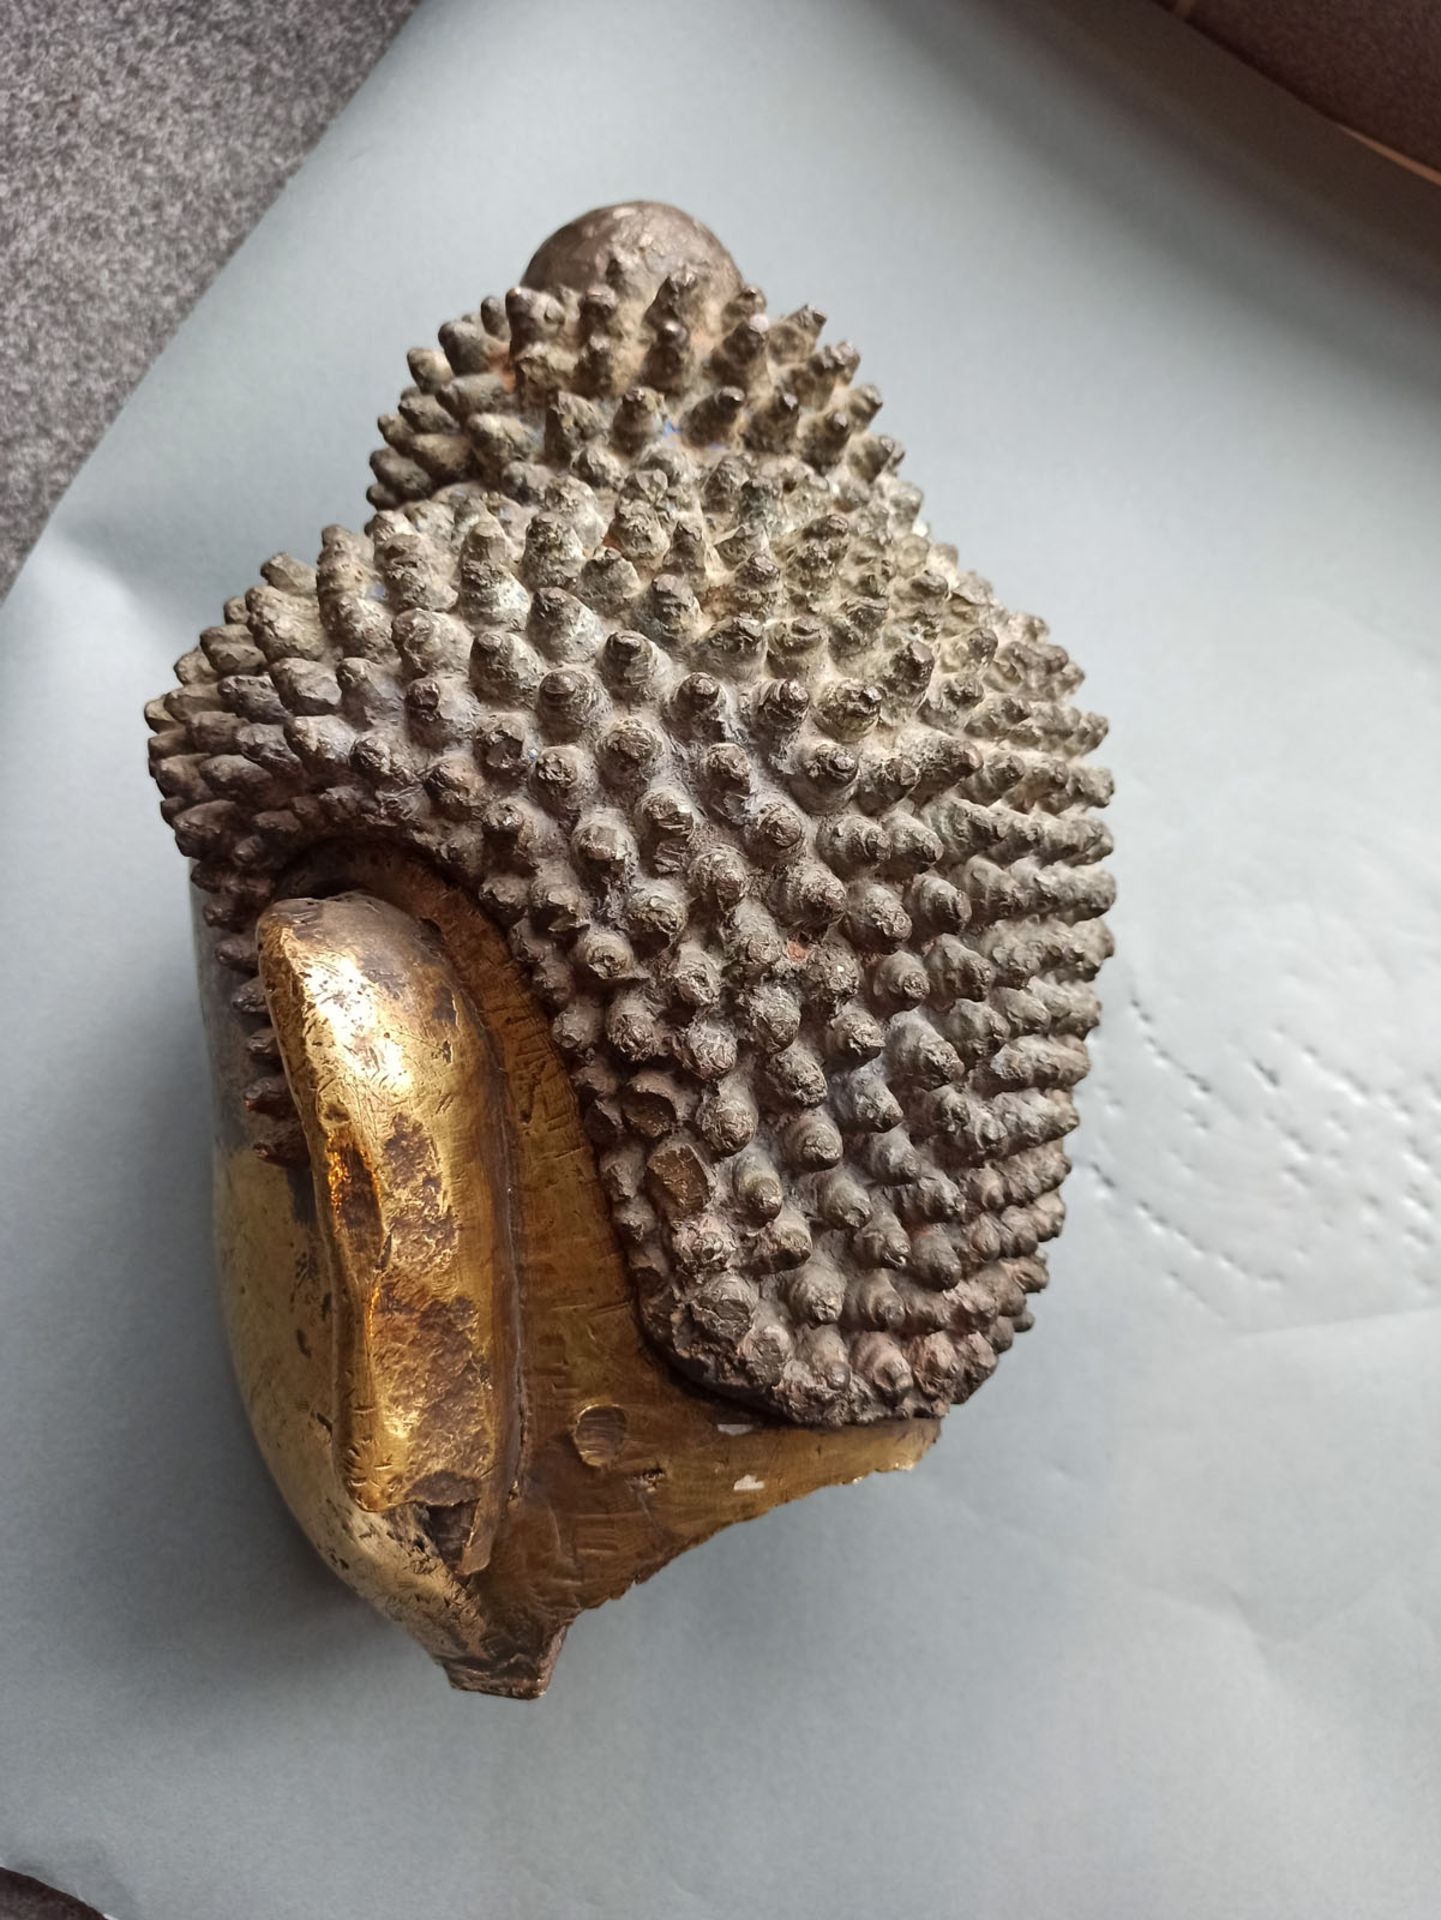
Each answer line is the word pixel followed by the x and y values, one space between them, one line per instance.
pixel 397 1000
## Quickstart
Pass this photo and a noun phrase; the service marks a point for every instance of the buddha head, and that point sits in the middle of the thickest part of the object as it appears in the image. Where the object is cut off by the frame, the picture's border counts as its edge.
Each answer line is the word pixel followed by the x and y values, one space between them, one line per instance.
pixel 751 844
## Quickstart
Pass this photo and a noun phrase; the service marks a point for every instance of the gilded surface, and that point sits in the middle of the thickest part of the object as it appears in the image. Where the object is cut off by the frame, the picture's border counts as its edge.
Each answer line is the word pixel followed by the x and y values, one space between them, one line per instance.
pixel 484 1486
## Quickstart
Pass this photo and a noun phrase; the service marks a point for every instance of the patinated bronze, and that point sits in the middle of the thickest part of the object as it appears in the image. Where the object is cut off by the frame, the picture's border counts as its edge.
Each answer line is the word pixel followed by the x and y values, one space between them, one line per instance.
pixel 650 899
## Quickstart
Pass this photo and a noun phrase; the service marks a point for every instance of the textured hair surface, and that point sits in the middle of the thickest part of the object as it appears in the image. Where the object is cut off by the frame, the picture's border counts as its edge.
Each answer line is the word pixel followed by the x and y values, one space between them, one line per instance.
pixel 788 821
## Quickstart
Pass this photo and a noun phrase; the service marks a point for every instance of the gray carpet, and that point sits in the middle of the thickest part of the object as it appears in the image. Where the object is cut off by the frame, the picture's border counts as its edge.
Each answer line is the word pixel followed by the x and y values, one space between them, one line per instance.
pixel 138 145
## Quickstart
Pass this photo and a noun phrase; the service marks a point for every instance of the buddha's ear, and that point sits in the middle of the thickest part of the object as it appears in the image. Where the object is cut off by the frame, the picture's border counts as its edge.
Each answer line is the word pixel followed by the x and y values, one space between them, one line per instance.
pixel 404 1119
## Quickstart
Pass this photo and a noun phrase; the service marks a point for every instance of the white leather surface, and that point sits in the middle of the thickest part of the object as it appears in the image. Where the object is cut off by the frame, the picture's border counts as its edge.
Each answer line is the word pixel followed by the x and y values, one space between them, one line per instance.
pixel 1157 1629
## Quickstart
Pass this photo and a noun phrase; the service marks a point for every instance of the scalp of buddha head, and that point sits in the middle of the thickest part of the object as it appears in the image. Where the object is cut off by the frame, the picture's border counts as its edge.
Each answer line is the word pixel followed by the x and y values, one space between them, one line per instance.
pixel 787 820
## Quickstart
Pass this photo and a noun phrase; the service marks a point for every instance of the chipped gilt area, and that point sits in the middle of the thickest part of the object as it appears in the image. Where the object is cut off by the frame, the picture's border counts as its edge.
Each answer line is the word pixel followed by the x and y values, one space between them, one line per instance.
pixel 787 819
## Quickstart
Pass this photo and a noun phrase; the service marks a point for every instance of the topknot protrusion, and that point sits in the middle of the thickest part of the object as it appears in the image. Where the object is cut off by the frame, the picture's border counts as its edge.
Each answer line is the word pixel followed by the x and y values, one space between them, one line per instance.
pixel 653 239
pixel 786 818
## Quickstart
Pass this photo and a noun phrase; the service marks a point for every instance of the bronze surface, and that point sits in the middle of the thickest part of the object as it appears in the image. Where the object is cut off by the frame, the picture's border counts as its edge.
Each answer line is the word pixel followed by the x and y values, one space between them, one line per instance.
pixel 662 238
pixel 653 899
